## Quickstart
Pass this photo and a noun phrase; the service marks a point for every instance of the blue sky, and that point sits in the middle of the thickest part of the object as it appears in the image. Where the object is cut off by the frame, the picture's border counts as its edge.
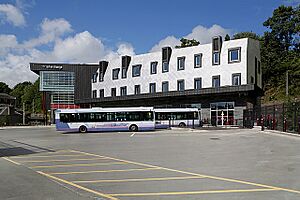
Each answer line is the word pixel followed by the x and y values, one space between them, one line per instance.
pixel 91 30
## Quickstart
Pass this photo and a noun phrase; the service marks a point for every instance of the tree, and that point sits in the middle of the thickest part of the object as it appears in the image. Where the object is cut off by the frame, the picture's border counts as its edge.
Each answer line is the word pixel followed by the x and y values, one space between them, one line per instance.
pixel 4 88
pixel 18 91
pixel 227 37
pixel 284 25
pixel 246 35
pixel 187 43
pixel 32 97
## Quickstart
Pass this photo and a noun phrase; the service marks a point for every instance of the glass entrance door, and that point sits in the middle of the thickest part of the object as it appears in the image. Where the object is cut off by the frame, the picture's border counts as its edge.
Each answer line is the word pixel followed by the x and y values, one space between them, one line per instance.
pixel 222 113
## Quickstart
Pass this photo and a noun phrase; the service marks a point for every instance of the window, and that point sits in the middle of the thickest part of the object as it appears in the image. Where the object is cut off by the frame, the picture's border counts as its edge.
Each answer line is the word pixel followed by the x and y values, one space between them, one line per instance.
pixel 137 89
pixel 94 94
pixel 101 93
pixel 236 79
pixel 216 81
pixel 153 67
pixel 234 55
pixel 216 58
pixel 165 67
pixel 180 85
pixel 136 70
pixel 123 91
pixel 152 88
pixel 180 63
pixel 197 60
pixel 165 86
pixel 101 76
pixel 115 74
pixel 124 72
pixel 252 79
pixel 197 83
pixel 113 92
pixel 95 77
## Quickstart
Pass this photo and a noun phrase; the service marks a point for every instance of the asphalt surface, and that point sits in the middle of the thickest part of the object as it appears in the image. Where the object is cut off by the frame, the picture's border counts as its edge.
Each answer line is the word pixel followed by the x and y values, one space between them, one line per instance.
pixel 229 164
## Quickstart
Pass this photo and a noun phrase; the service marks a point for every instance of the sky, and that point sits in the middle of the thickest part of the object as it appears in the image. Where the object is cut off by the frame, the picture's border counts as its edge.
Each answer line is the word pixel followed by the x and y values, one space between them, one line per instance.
pixel 87 31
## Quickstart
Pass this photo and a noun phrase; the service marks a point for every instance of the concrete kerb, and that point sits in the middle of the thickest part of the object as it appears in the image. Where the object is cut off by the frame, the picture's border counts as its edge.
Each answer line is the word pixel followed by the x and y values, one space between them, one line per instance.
pixel 277 132
pixel 22 127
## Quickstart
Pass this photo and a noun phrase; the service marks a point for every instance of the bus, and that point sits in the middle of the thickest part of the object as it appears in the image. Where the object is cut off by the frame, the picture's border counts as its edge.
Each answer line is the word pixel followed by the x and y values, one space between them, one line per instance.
pixel 105 119
pixel 181 117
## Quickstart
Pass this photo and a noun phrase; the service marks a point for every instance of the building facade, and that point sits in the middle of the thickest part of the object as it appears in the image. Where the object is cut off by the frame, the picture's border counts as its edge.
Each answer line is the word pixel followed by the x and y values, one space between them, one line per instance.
pixel 220 78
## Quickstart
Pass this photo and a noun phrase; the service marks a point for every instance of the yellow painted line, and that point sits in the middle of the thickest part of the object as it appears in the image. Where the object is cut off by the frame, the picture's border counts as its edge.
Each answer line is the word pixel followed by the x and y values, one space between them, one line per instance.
pixel 78 186
pixel 196 174
pixel 139 179
pixel 105 171
pixel 191 192
pixel 16 163
pixel 49 156
pixel 78 165
pixel 66 160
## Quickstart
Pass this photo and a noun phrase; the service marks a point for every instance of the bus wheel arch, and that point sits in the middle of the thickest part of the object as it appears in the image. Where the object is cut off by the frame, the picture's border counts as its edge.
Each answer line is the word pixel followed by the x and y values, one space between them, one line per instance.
pixel 82 129
pixel 133 128
pixel 182 125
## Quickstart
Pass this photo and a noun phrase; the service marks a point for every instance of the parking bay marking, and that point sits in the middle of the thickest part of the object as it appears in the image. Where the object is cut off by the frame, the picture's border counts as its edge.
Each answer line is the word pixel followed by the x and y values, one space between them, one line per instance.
pixel 105 171
pixel 193 192
pixel 64 160
pixel 78 186
pixel 78 165
pixel 140 179
pixel 195 174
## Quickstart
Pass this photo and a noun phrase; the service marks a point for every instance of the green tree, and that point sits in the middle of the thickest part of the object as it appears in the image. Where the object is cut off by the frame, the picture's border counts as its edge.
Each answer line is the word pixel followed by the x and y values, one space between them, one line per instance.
pixel 18 91
pixel 32 97
pixel 4 88
pixel 246 35
pixel 187 43
pixel 227 37
pixel 284 25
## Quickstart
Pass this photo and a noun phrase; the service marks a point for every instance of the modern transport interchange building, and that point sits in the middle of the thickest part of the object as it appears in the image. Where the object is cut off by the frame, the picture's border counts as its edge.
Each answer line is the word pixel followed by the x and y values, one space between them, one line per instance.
pixel 221 79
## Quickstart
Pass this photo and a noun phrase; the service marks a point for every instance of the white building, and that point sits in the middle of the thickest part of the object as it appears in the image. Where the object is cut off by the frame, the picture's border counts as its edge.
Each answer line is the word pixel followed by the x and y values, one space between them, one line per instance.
pixel 220 78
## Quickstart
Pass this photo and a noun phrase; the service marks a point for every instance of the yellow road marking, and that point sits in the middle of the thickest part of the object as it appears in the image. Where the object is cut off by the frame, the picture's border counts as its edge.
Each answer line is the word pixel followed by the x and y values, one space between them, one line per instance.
pixel 78 186
pixel 75 165
pixel 139 179
pixel 195 174
pixel 105 171
pixel 49 156
pixel 11 161
pixel 76 159
pixel 192 192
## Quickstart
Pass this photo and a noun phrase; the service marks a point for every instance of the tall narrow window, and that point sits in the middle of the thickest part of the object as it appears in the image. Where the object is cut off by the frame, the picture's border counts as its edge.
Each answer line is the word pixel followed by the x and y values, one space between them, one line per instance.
pixel 137 89
pixel 94 94
pixel 101 93
pixel 123 91
pixel 197 83
pixel 136 70
pixel 124 72
pixel 115 74
pixel 180 85
pixel 180 63
pixel 153 67
pixel 152 88
pixel 216 81
pixel 234 55
pixel 101 76
pixel 216 58
pixel 165 67
pixel 113 92
pixel 236 79
pixel 95 75
pixel 165 86
pixel 197 60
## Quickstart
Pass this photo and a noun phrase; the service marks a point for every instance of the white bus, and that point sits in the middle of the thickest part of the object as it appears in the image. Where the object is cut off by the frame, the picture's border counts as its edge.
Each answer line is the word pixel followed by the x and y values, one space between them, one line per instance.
pixel 182 117
pixel 105 119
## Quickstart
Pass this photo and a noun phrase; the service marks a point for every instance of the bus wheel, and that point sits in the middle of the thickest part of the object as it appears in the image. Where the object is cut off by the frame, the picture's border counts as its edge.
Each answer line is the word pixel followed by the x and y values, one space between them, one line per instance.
pixel 133 128
pixel 82 129
pixel 182 125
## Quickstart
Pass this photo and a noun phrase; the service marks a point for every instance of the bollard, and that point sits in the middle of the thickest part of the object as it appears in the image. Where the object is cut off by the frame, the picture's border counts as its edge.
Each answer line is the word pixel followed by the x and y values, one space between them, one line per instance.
pixel 284 125
pixel 262 124
pixel 299 127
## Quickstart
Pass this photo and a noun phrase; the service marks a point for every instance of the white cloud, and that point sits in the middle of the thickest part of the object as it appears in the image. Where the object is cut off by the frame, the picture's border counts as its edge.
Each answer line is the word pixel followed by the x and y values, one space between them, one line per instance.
pixel 200 33
pixel 83 47
pixel 51 30
pixel 11 14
